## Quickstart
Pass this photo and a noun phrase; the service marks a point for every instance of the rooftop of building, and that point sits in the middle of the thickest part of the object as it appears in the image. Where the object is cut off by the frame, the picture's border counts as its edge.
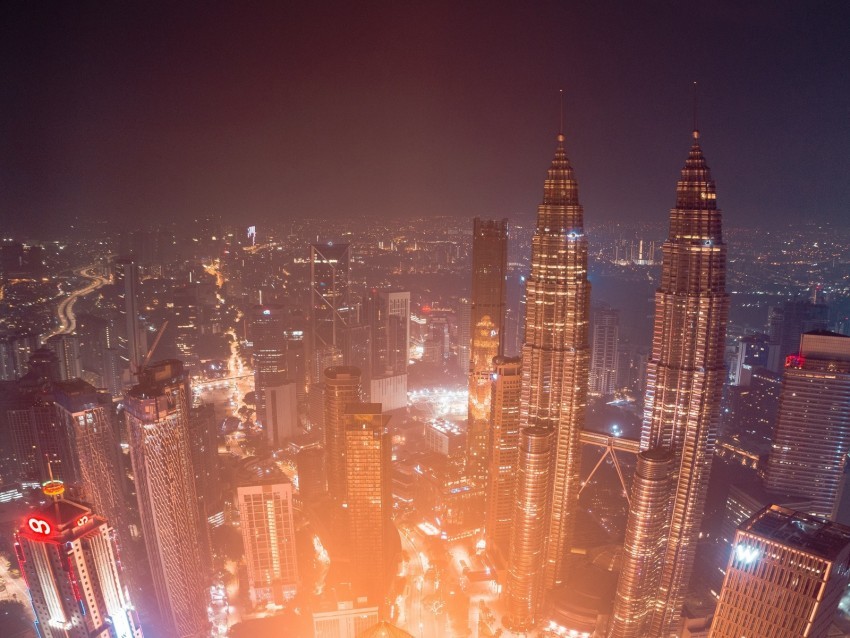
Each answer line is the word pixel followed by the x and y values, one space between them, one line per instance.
pixel 384 630
pixel 810 534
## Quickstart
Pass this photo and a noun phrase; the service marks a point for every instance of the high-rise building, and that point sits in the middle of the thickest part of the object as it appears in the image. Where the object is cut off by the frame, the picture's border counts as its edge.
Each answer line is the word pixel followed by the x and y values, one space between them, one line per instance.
pixel 69 560
pixel 127 279
pixel 605 345
pixel 388 315
pixel 67 349
pixel 644 544
pixel 752 351
pixel 368 454
pixel 342 386
pixel 811 441
pixel 15 352
pixel 785 577
pixel 502 454
pixel 487 324
pixel 264 495
pixel 330 308
pixel 686 370
pixel 158 411
pixel 528 533
pixel 87 416
pixel 556 354
pixel 268 356
pixel 41 442
pixel 788 322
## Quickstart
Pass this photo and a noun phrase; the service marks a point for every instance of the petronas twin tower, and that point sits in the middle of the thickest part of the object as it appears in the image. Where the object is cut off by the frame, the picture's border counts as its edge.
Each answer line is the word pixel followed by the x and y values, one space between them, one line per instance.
pixel 685 377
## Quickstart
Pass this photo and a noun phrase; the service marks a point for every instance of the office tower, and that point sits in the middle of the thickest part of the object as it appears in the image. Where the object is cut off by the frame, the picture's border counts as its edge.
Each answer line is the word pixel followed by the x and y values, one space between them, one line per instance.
pixel 752 351
pixel 157 412
pixel 530 526
pixel 788 322
pixel 329 306
pixel 686 370
pixel 127 280
pixel 40 441
pixel 503 454
pixel 644 543
pixel 604 350
pixel 203 442
pixel 812 436
pixel 15 352
pixel 342 386
pixel 388 314
pixel 67 350
pixel 463 333
pixel 785 577
pixel 368 454
pixel 310 464
pixel 264 495
pixel 269 354
pixel 281 413
pixel 487 326
pixel 556 356
pixel 69 560
pixel 343 618
pixel 87 416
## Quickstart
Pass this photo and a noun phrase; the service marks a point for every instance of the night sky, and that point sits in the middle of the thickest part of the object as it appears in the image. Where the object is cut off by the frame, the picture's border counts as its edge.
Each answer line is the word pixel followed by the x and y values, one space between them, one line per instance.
pixel 254 111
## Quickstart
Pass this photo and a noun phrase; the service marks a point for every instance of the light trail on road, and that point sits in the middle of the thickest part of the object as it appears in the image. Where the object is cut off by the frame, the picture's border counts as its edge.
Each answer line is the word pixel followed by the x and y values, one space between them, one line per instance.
pixel 65 309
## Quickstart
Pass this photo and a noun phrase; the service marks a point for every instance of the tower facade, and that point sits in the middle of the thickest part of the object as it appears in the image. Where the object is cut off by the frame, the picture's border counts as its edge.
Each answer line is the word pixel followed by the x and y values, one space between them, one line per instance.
pixel 503 454
pixel 604 358
pixel 157 412
pixel 329 305
pixel 368 454
pixel 69 560
pixel 530 526
pixel 269 357
pixel 87 417
pixel 264 495
pixel 342 386
pixel 686 370
pixel 555 355
pixel 811 441
pixel 644 544
pixel 785 577
pixel 487 322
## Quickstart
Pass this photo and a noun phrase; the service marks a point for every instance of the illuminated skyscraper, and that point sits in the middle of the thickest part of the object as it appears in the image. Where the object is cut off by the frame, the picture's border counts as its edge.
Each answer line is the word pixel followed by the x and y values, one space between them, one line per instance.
pixel 604 356
pixel 342 386
pixel 644 544
pixel 67 349
pixel 329 306
pixel 157 411
pixel 556 356
pixel 388 315
pixel 528 533
pixel 69 560
pixel 811 441
pixel 264 495
pixel 368 454
pixel 503 454
pixel 487 320
pixel 686 370
pixel 785 577
pixel 269 357
pixel 87 416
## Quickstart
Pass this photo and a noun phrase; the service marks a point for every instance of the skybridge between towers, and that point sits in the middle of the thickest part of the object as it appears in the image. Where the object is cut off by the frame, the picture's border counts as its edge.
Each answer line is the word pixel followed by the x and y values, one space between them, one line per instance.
pixel 611 445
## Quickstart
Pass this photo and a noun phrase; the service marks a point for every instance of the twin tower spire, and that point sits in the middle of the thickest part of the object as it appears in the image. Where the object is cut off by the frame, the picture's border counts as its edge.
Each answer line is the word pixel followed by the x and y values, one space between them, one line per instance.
pixel 685 376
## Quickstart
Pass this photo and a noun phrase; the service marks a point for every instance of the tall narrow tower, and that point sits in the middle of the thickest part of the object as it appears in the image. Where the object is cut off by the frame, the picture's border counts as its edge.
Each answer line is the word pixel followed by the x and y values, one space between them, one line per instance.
pixel 487 320
pixel 503 455
pixel 342 386
pixel 157 411
pixel 556 356
pixel 685 371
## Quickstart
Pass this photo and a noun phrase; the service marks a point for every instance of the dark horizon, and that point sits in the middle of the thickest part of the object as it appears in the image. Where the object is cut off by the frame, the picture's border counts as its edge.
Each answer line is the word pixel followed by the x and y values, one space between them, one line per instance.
pixel 161 112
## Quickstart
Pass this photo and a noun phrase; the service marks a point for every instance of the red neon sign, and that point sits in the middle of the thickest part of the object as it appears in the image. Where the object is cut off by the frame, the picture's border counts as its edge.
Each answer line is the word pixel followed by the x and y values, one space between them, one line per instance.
pixel 39 525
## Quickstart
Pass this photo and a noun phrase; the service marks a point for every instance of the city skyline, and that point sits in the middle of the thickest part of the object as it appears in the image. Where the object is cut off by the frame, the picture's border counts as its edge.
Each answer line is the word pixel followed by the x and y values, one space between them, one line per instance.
pixel 288 318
